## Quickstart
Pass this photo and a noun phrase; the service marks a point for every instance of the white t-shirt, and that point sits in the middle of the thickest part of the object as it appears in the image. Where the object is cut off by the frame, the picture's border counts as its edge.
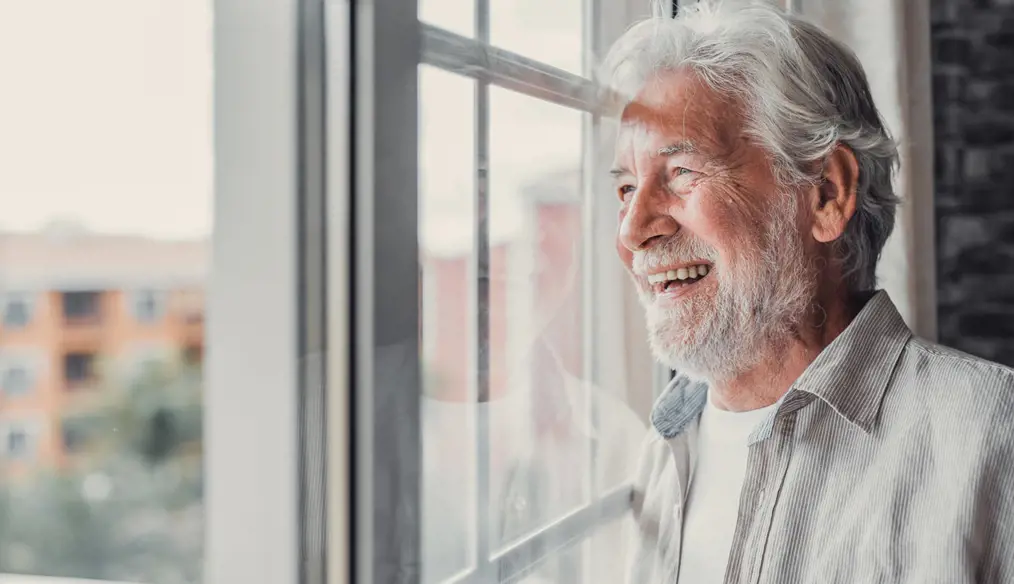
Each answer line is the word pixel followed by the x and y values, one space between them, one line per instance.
pixel 713 501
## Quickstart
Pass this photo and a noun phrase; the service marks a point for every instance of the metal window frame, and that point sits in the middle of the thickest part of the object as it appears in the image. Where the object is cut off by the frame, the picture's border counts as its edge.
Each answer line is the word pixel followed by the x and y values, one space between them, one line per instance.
pixel 379 153
pixel 488 65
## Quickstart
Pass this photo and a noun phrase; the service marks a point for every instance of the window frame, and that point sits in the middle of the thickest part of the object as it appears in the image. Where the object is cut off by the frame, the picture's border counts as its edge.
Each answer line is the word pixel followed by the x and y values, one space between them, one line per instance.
pixel 379 118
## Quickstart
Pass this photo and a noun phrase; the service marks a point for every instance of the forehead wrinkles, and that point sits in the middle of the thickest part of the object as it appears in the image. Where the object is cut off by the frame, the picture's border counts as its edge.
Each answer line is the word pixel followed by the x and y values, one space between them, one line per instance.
pixel 678 106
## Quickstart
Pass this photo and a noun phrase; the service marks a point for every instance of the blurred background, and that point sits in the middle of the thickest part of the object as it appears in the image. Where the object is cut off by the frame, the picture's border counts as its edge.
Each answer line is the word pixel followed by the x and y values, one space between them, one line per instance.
pixel 217 363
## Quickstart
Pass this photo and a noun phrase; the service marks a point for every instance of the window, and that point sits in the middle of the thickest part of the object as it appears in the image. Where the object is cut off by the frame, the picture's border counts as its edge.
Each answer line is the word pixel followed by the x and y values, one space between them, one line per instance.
pixel 79 306
pixel 525 418
pixel 78 368
pixel 107 148
pixel 17 379
pixel 189 306
pixel 77 431
pixel 193 355
pixel 148 305
pixel 17 311
pixel 19 438
pixel 20 367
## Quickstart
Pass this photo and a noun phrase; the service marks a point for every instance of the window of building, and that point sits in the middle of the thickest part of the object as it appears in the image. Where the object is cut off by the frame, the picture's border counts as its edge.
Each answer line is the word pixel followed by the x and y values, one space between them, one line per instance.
pixel 17 310
pixel 193 355
pixel 81 305
pixel 77 432
pixel 17 379
pixel 148 305
pixel 78 368
pixel 19 439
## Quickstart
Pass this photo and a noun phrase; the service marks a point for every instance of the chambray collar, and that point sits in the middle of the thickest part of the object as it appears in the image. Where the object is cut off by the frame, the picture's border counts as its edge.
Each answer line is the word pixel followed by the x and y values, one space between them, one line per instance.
pixel 851 375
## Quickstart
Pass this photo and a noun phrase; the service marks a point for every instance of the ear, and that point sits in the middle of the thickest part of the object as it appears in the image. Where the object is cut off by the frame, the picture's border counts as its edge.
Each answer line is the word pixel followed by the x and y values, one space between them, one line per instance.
pixel 834 198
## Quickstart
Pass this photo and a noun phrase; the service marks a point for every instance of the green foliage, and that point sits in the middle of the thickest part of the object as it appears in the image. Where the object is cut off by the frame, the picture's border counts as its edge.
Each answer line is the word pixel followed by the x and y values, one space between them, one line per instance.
pixel 129 507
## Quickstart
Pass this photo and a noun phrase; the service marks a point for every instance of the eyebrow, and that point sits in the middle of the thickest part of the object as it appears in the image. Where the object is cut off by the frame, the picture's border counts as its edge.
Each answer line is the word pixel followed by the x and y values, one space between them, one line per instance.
pixel 681 147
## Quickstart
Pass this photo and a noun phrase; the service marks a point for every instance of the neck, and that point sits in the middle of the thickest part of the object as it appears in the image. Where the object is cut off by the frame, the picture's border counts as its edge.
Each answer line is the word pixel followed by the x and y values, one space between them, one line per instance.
pixel 764 383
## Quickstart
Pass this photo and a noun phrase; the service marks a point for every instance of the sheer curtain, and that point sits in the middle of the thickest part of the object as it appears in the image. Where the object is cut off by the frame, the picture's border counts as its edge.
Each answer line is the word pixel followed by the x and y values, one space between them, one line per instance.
pixel 891 38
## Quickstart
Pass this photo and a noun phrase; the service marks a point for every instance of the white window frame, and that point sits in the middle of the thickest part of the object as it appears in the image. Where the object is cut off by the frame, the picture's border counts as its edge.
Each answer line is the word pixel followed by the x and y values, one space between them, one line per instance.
pixel 251 378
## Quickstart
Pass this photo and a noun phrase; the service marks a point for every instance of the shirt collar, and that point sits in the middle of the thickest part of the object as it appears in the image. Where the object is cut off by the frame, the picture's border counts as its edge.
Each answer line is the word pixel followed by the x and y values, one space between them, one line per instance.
pixel 850 375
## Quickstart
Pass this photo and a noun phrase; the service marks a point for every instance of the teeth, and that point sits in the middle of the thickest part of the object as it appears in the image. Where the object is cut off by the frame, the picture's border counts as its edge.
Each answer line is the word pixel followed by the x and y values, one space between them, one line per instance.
pixel 680 274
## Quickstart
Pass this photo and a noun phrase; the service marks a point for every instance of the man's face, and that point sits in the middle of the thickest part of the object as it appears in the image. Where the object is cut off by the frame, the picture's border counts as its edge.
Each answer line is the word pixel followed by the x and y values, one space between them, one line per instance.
pixel 698 197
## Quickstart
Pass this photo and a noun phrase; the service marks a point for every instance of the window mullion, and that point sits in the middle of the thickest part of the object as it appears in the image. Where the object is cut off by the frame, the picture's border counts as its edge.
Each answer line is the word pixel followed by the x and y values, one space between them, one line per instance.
pixel 483 526
pixel 478 60
pixel 561 534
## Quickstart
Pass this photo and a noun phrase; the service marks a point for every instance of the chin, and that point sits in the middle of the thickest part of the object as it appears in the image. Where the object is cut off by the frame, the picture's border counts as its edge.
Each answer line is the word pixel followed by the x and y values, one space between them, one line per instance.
pixel 706 349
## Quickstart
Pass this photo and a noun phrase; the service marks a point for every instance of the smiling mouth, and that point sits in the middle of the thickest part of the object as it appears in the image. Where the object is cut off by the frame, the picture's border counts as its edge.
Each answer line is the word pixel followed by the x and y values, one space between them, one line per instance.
pixel 679 280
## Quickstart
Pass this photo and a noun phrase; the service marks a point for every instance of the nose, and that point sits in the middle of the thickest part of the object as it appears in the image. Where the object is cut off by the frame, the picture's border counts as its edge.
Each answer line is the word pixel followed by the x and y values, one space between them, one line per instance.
pixel 646 222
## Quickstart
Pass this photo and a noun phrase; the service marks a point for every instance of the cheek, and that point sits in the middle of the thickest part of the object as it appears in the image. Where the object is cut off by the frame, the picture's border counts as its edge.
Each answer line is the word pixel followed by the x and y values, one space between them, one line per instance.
pixel 725 220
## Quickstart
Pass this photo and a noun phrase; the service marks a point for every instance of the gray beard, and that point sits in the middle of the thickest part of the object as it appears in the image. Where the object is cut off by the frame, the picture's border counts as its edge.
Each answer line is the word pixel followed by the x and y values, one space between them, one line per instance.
pixel 759 304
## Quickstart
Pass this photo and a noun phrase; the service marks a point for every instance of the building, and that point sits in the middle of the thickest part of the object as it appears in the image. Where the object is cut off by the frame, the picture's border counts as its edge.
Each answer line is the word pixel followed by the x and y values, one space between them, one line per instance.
pixel 80 311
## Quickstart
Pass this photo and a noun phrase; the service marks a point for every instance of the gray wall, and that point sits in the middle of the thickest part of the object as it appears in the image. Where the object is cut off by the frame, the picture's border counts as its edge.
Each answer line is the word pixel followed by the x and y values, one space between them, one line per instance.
pixel 973 95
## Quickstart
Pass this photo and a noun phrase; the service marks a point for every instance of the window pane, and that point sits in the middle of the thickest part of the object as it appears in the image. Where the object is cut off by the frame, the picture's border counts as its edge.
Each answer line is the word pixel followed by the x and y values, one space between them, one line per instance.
pixel 454 15
pixel 545 31
pixel 539 441
pixel 105 170
pixel 447 232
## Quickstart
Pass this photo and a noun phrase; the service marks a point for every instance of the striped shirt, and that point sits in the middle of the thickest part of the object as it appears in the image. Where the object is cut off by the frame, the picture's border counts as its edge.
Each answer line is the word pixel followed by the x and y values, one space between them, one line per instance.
pixel 890 459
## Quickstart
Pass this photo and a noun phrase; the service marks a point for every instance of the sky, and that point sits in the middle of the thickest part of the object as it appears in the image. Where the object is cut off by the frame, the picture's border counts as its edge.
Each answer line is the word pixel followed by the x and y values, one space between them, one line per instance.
pixel 106 116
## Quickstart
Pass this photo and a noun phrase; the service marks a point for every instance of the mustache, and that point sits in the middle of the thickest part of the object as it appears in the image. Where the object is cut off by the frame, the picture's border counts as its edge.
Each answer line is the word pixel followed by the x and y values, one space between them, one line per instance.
pixel 676 249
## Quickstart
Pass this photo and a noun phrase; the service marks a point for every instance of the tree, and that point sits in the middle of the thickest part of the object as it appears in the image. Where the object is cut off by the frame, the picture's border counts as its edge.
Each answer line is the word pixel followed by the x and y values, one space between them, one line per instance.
pixel 129 506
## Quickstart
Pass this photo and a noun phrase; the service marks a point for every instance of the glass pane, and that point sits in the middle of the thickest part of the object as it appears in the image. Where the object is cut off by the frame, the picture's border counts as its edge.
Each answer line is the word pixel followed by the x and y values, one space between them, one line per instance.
pixel 454 15
pixel 539 424
pixel 549 32
pixel 447 232
pixel 106 156
pixel 600 557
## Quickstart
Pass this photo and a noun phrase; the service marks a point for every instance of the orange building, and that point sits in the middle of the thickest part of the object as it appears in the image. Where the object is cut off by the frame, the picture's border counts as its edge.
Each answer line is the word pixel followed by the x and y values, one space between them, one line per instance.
pixel 78 311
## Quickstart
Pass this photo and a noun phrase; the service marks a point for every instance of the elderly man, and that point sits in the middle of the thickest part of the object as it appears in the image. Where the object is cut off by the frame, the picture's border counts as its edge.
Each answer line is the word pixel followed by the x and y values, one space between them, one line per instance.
pixel 810 437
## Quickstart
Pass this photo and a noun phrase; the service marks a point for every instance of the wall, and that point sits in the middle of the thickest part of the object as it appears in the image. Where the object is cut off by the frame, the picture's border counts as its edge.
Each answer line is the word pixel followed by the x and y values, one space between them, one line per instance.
pixel 973 94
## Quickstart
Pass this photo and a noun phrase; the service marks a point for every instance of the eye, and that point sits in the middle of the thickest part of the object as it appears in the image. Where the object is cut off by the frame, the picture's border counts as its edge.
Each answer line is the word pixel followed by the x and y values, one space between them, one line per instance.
pixel 625 191
pixel 680 171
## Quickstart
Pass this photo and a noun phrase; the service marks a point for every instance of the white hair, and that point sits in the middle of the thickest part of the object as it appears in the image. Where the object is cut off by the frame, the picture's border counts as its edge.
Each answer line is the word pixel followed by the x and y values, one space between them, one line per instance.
pixel 803 94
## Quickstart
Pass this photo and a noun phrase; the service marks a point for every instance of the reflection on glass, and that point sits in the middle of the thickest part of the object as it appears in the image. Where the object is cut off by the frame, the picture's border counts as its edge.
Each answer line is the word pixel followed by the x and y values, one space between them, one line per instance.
pixel 457 16
pixel 539 440
pixel 447 218
pixel 106 178
pixel 549 32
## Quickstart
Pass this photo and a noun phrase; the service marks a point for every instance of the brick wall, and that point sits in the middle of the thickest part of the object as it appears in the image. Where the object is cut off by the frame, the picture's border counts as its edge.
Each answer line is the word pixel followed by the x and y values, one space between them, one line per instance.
pixel 973 103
